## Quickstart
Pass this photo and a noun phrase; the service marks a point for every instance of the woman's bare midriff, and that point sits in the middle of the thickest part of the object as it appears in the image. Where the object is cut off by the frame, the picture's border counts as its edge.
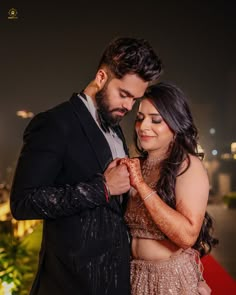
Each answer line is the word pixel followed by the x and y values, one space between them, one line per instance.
pixel 147 249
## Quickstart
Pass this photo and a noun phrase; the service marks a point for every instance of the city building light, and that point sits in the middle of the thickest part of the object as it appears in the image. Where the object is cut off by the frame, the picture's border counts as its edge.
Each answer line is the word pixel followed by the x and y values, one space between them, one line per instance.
pixel 200 149
pixel 212 131
pixel 24 114
pixel 214 152
pixel 233 147
pixel 226 156
pixel 7 288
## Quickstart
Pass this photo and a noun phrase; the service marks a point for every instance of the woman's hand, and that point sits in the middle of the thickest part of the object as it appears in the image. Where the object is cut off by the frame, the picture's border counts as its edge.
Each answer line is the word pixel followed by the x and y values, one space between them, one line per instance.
pixel 133 166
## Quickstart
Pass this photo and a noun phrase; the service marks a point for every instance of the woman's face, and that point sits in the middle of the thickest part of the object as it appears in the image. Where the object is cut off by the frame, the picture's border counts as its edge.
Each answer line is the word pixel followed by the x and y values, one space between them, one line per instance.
pixel 153 133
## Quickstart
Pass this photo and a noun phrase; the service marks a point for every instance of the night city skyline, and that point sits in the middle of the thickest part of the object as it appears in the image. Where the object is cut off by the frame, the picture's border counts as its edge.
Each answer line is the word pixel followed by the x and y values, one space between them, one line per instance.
pixel 52 50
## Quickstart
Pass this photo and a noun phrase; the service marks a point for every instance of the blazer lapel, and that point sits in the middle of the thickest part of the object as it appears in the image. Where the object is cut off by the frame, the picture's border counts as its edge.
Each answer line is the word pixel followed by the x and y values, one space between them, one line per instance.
pixel 92 131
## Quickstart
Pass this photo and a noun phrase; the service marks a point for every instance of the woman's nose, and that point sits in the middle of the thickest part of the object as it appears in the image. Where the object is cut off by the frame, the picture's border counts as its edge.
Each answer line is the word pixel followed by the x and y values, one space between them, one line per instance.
pixel 144 125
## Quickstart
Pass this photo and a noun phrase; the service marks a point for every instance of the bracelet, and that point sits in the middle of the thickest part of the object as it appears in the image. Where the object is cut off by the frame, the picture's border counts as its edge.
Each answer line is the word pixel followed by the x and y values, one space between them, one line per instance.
pixel 106 188
pixel 107 191
pixel 149 195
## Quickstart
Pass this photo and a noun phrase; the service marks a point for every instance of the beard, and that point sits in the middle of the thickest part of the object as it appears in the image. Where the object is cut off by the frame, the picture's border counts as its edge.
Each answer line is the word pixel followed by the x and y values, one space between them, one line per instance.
pixel 104 108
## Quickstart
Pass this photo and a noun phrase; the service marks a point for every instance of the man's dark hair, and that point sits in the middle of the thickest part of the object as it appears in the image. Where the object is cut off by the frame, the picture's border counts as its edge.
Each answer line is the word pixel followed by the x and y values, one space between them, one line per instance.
pixel 131 56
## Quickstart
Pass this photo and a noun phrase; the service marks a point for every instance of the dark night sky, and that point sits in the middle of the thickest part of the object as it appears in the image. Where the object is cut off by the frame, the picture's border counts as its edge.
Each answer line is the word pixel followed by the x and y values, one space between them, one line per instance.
pixel 52 50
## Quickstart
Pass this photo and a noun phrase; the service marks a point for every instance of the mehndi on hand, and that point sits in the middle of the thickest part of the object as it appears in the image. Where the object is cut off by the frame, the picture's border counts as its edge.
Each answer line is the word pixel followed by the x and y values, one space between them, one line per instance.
pixel 134 169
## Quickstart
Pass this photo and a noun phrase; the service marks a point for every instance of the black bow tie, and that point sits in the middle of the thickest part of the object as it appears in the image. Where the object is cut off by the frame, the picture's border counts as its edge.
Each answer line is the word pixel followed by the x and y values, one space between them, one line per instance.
pixel 103 123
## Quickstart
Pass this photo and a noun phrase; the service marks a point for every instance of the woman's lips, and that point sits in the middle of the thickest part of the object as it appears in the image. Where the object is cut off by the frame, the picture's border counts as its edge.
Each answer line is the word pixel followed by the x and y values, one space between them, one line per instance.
pixel 145 137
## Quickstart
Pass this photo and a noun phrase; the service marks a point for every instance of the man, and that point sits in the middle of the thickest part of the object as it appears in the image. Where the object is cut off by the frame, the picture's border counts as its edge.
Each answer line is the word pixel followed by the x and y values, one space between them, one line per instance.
pixel 66 175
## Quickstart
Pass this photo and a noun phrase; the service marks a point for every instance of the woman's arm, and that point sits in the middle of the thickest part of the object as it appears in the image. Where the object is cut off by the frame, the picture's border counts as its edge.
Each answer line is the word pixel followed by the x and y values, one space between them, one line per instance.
pixel 182 225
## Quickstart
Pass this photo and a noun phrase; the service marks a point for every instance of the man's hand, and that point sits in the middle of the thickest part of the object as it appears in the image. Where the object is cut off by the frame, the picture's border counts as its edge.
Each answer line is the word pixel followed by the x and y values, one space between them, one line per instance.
pixel 117 177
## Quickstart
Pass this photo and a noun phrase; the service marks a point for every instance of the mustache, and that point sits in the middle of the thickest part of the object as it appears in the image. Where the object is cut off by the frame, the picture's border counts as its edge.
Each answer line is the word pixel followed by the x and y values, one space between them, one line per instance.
pixel 121 110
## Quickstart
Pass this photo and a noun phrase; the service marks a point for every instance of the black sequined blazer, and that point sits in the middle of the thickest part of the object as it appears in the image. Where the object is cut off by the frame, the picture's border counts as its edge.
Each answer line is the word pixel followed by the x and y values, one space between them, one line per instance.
pixel 85 245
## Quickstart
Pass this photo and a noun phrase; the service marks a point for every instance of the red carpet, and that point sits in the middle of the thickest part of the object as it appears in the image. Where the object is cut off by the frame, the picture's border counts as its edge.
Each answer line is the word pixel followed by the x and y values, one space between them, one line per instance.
pixel 220 282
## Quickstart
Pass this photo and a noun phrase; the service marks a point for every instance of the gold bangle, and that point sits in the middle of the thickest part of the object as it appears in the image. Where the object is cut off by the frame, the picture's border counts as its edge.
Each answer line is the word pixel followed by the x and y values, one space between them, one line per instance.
pixel 149 195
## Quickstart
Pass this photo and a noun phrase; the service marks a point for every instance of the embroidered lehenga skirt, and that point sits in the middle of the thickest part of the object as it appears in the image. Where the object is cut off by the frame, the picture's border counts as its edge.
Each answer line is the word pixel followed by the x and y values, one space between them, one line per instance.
pixel 181 274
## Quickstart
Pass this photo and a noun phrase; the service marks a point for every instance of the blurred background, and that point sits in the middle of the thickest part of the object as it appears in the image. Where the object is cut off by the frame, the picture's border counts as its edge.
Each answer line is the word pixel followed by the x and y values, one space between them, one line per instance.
pixel 48 50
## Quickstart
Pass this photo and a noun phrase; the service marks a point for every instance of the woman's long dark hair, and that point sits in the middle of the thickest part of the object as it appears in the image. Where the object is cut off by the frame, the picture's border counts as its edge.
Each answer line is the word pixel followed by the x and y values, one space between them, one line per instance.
pixel 172 105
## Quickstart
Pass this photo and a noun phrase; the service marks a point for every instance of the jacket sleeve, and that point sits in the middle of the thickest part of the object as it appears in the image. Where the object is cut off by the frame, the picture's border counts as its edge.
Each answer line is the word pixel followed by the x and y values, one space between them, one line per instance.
pixel 34 194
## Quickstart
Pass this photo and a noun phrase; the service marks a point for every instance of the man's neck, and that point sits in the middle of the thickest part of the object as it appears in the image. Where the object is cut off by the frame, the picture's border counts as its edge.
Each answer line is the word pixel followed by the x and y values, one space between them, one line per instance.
pixel 91 91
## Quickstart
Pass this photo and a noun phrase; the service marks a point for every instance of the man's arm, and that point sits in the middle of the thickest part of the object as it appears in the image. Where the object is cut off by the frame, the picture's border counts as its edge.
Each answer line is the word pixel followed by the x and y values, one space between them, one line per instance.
pixel 34 195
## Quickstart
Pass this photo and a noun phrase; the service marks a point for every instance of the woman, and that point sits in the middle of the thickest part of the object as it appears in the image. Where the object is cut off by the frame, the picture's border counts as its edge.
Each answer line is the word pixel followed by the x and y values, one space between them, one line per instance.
pixel 166 212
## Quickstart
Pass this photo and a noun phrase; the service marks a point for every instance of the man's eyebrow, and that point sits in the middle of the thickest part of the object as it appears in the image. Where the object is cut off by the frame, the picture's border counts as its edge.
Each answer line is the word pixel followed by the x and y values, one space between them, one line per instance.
pixel 127 93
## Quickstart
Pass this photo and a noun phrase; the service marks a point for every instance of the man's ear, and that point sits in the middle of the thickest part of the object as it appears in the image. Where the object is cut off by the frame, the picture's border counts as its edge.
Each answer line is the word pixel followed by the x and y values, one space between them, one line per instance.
pixel 101 78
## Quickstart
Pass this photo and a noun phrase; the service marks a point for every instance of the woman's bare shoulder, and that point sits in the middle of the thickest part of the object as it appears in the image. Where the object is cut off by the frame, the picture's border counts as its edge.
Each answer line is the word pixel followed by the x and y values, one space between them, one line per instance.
pixel 192 164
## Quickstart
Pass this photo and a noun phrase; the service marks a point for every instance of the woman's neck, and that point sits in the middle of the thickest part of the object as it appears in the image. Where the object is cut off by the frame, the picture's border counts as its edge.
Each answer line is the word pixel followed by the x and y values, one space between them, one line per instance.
pixel 156 156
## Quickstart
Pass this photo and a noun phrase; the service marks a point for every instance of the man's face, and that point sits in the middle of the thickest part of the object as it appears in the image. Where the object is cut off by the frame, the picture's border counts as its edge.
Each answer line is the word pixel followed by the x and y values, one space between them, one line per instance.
pixel 118 96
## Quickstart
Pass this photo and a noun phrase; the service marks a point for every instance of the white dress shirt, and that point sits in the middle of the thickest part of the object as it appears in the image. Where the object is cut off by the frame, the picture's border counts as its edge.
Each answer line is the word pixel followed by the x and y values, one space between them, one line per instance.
pixel 115 143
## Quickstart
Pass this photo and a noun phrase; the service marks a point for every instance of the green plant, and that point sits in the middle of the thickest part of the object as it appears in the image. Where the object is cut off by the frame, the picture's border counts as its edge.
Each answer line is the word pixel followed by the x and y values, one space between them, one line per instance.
pixel 230 200
pixel 16 265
